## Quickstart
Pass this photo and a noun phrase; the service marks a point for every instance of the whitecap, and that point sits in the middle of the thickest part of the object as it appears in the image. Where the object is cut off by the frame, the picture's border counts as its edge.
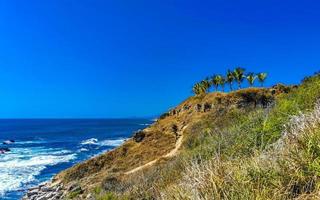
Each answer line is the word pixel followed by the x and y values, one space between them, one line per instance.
pixel 109 142
pixel 91 141
pixel 31 142
pixel 83 150
pixel 8 142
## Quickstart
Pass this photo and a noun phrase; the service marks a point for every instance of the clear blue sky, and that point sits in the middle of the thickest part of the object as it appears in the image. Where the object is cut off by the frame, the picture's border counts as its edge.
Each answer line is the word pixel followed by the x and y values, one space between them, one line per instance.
pixel 115 58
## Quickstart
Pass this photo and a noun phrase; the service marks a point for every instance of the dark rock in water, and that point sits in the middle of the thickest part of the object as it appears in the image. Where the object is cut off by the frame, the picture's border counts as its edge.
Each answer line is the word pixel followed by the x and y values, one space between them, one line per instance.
pixel 4 150
pixel 8 142
pixel 139 136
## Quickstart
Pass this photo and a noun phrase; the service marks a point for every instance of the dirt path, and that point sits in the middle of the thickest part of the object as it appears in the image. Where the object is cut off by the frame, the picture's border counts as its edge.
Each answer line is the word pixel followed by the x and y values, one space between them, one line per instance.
pixel 172 153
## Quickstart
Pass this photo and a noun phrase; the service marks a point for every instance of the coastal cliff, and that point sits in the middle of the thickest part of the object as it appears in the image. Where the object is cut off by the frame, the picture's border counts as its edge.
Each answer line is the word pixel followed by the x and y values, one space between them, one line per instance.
pixel 211 141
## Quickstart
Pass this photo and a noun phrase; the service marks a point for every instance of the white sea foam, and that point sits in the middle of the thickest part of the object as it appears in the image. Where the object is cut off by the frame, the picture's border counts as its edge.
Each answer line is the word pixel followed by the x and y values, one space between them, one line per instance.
pixel 30 142
pixel 21 165
pixel 110 142
pixel 83 150
pixel 113 143
pixel 92 141
pixel 8 142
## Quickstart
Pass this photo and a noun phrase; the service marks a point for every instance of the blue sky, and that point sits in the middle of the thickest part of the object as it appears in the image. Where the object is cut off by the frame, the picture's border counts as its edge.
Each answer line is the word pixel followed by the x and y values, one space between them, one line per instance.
pixel 115 58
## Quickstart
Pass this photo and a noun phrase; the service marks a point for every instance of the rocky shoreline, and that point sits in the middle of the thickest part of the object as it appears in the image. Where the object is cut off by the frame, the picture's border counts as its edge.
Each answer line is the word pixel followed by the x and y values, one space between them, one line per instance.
pixel 55 191
pixel 45 191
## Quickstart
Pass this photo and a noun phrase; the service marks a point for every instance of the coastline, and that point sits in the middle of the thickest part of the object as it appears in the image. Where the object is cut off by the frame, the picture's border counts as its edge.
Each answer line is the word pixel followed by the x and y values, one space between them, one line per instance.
pixel 42 149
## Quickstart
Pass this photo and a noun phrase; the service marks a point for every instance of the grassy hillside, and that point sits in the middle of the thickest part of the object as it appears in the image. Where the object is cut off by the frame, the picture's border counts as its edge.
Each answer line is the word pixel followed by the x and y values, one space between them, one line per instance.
pixel 256 143
pixel 264 154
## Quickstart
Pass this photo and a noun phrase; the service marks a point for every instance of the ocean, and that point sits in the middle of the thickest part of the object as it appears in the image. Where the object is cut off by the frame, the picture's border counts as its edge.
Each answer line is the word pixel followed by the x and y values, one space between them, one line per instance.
pixel 42 148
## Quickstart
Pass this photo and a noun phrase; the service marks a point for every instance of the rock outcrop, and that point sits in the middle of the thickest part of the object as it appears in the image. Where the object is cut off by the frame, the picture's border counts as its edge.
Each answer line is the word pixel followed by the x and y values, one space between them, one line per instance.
pixel 45 192
pixel 139 136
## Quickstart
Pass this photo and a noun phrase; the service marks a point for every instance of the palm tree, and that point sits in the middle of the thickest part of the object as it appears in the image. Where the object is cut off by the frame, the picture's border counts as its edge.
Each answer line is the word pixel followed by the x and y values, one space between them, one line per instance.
pixel 230 79
pixel 222 82
pixel 206 84
pixel 262 77
pixel 238 74
pixel 195 89
pixel 251 77
pixel 216 81
pixel 198 89
pixel 201 87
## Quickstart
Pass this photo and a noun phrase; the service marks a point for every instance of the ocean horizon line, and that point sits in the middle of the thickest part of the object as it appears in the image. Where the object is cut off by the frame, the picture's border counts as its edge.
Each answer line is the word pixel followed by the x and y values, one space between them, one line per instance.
pixel 79 118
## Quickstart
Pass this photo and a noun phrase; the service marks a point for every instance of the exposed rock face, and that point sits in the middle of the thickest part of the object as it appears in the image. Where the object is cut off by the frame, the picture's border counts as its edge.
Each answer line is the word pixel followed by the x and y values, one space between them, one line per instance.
pixel 186 107
pixel 207 107
pixel 45 192
pixel 164 115
pixel 198 107
pixel 139 136
pixel 255 99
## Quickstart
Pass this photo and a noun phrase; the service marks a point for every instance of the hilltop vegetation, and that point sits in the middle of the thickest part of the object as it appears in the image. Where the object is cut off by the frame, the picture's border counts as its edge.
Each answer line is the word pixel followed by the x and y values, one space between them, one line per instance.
pixel 237 75
pixel 254 143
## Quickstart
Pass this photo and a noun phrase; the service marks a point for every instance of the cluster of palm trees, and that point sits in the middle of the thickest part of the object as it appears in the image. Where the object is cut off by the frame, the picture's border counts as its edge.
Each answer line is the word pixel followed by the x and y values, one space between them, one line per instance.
pixel 237 75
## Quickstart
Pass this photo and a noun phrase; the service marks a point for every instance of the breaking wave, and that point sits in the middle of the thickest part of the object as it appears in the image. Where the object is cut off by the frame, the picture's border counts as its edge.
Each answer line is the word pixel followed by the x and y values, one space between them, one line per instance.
pixel 110 142
pixel 20 166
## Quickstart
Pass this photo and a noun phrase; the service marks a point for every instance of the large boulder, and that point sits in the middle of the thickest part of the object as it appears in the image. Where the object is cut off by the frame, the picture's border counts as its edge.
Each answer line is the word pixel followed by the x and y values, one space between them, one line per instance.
pixel 139 136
